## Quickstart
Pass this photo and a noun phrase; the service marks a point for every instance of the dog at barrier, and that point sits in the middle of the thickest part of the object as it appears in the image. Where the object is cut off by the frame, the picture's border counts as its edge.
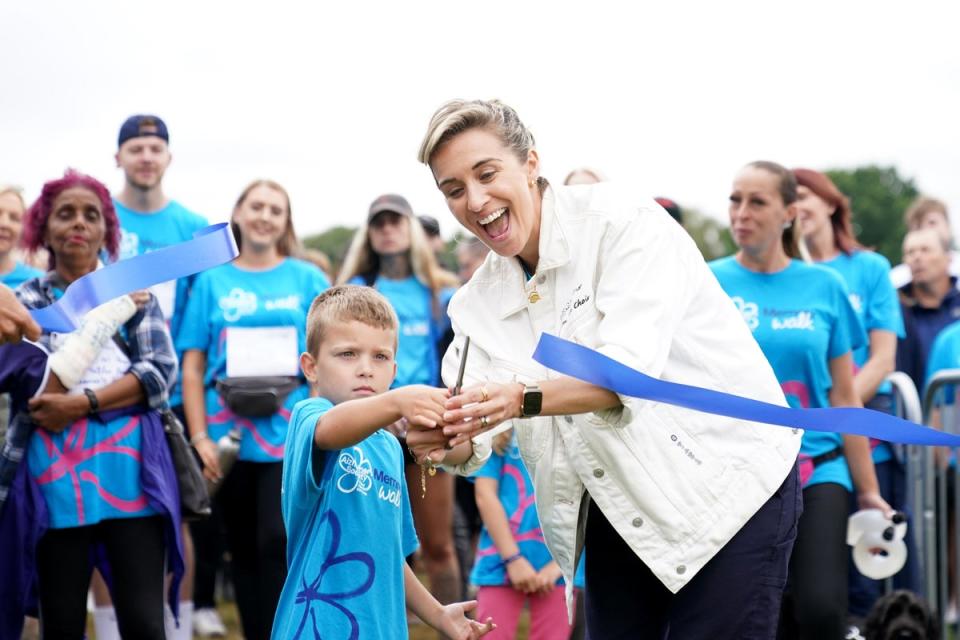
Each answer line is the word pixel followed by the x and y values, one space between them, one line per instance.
pixel 901 615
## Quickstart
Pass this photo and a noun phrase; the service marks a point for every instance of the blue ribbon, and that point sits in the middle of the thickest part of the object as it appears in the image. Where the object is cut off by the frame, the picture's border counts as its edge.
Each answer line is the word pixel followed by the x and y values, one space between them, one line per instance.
pixel 210 247
pixel 586 364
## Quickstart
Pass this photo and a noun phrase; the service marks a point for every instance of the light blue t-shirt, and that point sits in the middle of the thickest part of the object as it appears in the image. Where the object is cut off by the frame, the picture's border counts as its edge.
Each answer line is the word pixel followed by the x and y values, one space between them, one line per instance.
pixel 145 232
pixel 945 354
pixel 229 297
pixel 349 530
pixel 802 318
pixel 19 274
pixel 417 358
pixel 867 276
pixel 90 471
pixel 515 490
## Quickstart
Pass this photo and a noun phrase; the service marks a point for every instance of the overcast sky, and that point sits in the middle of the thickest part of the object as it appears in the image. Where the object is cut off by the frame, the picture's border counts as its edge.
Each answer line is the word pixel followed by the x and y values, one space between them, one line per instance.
pixel 331 99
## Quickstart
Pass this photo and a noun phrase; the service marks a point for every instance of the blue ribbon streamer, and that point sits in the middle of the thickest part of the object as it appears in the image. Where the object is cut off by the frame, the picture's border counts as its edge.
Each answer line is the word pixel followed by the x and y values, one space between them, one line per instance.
pixel 210 247
pixel 586 364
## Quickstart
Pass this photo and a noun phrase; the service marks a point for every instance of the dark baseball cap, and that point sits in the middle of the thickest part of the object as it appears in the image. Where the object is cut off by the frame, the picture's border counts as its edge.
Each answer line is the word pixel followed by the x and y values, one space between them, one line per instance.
pixel 431 226
pixel 142 125
pixel 390 202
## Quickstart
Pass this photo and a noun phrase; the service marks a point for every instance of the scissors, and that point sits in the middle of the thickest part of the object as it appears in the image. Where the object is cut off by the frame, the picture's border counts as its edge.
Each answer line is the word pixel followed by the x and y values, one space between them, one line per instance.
pixel 429 468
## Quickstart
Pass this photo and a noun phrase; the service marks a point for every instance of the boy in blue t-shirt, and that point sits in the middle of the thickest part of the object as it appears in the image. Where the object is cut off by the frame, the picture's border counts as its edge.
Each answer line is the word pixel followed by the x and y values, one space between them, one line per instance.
pixel 344 499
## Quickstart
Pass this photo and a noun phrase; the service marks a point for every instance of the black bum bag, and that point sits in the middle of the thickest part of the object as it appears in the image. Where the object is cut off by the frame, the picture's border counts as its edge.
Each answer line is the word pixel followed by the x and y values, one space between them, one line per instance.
pixel 256 397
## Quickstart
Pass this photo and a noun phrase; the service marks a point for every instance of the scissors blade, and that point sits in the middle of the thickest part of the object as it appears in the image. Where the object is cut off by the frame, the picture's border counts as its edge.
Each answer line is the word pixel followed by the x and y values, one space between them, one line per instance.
pixel 463 366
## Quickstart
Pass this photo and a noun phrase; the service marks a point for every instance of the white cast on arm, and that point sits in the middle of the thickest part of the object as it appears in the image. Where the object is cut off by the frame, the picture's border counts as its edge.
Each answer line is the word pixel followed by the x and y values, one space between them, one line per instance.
pixel 81 347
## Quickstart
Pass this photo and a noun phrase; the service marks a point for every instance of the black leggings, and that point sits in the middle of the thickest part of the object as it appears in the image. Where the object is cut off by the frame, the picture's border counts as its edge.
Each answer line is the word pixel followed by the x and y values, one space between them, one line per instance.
pixel 135 549
pixel 815 603
pixel 250 499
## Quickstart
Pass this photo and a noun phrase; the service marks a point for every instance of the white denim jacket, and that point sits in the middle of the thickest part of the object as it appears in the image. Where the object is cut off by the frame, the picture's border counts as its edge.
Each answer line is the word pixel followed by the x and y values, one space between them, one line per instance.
pixel 628 281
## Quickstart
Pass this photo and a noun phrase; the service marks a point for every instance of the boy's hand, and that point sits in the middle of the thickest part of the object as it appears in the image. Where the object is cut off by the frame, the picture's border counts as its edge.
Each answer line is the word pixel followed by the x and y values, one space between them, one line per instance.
pixel 56 411
pixel 421 405
pixel 456 625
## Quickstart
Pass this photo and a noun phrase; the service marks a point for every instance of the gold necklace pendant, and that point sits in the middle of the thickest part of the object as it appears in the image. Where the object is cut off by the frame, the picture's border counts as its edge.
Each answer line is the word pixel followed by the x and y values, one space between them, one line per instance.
pixel 534 297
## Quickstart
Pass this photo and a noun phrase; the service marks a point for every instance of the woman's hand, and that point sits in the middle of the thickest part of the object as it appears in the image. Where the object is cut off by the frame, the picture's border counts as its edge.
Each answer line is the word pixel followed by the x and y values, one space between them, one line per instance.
pixel 57 411
pixel 210 455
pixel 873 500
pixel 140 298
pixel 523 576
pixel 480 408
pixel 427 443
pixel 15 320
pixel 456 625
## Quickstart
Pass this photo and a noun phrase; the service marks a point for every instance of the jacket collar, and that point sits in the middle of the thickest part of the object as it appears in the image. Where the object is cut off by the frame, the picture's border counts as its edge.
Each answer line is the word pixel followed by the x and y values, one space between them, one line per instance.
pixel 554 253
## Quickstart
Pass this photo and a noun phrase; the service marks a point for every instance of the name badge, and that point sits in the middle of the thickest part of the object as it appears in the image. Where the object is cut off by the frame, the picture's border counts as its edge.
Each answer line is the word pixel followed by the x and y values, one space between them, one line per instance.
pixel 166 293
pixel 262 351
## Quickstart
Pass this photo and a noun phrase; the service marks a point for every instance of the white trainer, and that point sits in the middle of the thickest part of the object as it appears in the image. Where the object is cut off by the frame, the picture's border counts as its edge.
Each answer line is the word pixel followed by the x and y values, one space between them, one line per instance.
pixel 207 624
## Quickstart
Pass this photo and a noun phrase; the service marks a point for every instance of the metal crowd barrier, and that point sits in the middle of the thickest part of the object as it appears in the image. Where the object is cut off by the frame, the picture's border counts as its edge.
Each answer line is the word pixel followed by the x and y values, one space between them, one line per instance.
pixel 928 495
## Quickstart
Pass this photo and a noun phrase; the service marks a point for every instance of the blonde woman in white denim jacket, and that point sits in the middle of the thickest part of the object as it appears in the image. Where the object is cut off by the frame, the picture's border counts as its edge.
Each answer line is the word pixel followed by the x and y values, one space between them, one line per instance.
pixel 687 518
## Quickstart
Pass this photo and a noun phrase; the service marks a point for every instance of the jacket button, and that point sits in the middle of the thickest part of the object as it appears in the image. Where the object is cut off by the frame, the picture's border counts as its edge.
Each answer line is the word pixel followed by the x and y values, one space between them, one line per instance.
pixel 682 569
pixel 638 522
pixel 568 419
pixel 541 279
pixel 598 473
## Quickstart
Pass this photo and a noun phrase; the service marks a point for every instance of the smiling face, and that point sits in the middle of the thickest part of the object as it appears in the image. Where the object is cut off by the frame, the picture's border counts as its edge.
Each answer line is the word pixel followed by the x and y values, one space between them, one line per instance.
pixel 144 160
pixel 353 360
pixel 813 212
pixel 491 192
pixel 11 221
pixel 757 211
pixel 262 218
pixel 76 229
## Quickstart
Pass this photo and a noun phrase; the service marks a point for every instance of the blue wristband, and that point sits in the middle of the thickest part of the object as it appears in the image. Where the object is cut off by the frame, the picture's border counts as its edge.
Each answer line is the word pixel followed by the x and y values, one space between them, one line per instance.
pixel 515 556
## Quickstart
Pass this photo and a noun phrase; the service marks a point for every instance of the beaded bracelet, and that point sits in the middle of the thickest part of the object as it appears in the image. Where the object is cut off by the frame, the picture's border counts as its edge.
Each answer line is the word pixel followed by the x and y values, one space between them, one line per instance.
pixel 515 556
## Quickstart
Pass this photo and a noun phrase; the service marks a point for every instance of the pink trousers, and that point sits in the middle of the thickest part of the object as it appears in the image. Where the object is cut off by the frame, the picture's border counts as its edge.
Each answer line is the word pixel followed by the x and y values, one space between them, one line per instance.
pixel 548 613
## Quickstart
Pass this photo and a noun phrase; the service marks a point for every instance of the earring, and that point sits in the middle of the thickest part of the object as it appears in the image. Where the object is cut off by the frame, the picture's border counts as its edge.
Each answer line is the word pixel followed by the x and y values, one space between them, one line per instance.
pixel 533 181
pixel 788 224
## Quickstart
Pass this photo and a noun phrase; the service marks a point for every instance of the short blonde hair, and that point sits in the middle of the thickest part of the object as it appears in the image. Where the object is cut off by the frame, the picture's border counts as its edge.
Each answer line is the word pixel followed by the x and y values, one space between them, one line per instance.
pixel 15 190
pixel 919 209
pixel 457 116
pixel 346 303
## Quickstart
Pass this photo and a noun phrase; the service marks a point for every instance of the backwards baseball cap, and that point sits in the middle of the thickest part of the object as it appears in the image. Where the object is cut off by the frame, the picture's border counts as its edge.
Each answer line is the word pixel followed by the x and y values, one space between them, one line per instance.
pixel 431 226
pixel 142 125
pixel 390 202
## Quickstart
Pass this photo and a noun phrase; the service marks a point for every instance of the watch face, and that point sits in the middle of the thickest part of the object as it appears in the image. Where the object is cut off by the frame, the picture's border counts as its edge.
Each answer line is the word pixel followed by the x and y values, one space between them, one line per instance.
pixel 532 402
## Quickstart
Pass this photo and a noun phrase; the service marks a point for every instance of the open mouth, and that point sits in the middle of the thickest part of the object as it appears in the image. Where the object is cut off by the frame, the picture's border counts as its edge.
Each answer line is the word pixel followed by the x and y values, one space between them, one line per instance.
pixel 496 224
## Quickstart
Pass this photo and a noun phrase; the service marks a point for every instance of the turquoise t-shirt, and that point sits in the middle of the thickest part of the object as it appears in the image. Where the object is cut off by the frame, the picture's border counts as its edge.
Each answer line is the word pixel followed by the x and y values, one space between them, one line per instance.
pixel 945 354
pixel 417 358
pixel 802 318
pixel 349 530
pixel 145 232
pixel 867 276
pixel 515 490
pixel 19 274
pixel 227 297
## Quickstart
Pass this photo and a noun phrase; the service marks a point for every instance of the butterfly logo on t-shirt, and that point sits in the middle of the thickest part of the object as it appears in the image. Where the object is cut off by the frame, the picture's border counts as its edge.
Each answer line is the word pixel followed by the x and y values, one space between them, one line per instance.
pixel 237 304
pixel 357 472
pixel 749 311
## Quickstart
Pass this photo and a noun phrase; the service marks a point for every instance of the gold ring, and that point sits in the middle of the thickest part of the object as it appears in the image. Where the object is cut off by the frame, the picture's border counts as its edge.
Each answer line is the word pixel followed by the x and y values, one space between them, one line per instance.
pixel 484 394
pixel 484 422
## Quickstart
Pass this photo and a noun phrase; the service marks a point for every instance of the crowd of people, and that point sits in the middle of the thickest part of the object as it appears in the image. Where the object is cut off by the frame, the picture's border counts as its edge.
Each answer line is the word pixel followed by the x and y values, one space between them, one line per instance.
pixel 364 429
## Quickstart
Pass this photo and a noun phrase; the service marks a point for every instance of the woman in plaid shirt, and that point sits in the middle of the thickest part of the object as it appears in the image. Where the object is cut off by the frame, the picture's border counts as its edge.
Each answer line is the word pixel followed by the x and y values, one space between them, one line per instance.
pixel 95 480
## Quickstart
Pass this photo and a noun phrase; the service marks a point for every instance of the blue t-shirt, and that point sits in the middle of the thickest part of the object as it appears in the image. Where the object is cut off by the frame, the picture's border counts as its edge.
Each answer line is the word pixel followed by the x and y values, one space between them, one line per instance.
pixel 515 490
pixel 349 530
pixel 802 318
pixel 945 354
pixel 420 330
pixel 228 297
pixel 90 471
pixel 145 232
pixel 867 276
pixel 19 274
